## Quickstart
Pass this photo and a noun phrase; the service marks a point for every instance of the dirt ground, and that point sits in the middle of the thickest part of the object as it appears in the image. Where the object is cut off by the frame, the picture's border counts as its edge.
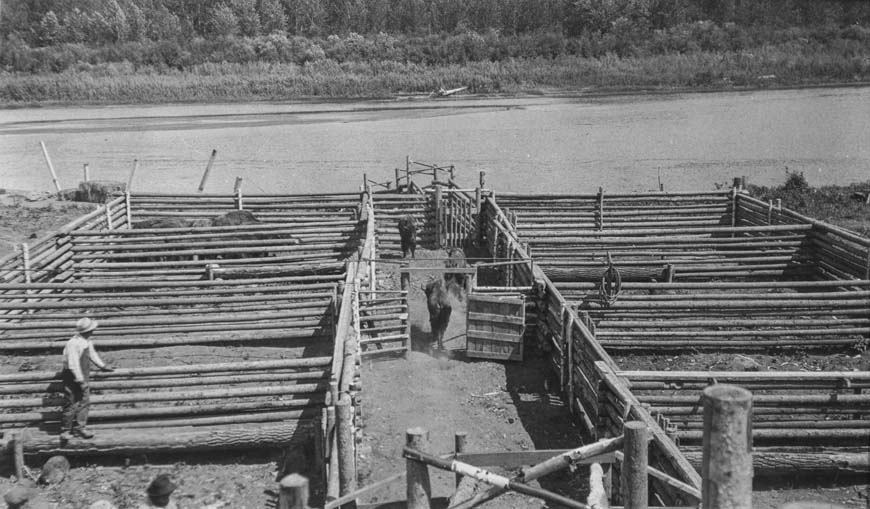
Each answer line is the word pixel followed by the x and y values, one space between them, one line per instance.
pixel 502 407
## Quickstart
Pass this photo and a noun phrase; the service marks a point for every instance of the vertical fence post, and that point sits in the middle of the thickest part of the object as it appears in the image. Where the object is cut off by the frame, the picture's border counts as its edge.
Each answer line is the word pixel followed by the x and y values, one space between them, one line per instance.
pixel 459 440
pixel 419 489
pixel 635 490
pixel 87 173
pixel 133 172
pixel 734 206
pixel 483 179
pixel 397 180
pixel 237 190
pixel 346 454
pixel 293 493
pixel 567 341
pixel 600 208
pixel 726 467
pixel 406 287
pixel 108 210
pixel 127 207
pixel 25 261
pixel 18 454
pixel 438 217
pixel 207 170
pixel 50 166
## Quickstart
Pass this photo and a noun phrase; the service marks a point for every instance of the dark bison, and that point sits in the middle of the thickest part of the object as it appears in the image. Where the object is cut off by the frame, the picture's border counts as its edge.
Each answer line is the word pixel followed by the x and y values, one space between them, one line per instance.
pixel 408 234
pixel 161 222
pixel 234 218
pixel 438 302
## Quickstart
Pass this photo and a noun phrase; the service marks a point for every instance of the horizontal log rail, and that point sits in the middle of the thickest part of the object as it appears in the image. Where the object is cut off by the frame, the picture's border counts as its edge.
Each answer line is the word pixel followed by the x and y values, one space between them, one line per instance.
pixel 180 439
pixel 313 332
pixel 120 416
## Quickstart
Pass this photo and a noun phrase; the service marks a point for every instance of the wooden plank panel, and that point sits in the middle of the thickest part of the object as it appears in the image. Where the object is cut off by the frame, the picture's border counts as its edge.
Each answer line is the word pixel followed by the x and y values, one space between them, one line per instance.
pixel 495 327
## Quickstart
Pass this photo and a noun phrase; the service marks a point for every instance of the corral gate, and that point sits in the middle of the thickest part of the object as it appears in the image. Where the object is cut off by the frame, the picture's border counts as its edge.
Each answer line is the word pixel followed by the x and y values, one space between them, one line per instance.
pixel 495 326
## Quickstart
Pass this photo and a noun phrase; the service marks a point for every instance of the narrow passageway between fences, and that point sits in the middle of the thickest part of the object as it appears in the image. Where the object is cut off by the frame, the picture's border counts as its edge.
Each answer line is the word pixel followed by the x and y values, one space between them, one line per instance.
pixel 301 331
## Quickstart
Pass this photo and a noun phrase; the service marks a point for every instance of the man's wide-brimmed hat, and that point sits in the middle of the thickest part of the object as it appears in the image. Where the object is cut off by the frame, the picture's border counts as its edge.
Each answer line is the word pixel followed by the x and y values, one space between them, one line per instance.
pixel 86 325
pixel 161 486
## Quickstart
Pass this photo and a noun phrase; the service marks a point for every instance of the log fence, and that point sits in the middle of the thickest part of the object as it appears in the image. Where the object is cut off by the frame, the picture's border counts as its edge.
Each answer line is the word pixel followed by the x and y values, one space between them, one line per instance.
pixel 695 269
pixel 814 406
pixel 580 361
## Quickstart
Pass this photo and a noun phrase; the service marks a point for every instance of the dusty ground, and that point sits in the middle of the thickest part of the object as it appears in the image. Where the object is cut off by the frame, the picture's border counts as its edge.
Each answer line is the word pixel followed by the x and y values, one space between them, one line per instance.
pixel 28 215
pixel 502 407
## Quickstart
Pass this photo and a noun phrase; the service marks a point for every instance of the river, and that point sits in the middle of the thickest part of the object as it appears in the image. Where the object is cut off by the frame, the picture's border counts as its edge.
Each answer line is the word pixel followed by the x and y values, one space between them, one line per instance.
pixel 571 144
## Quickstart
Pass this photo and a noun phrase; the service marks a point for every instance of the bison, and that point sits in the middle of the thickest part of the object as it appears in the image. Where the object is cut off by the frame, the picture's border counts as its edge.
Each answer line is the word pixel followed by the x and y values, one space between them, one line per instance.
pixel 438 302
pixel 234 218
pixel 408 234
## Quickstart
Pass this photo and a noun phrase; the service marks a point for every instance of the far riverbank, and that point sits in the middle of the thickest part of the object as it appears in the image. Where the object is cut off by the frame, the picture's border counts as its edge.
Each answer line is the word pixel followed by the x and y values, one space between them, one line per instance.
pixel 123 83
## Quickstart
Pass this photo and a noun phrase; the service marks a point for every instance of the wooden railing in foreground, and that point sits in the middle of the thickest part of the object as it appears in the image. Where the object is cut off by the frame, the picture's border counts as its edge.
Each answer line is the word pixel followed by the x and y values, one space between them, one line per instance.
pixel 583 366
pixel 726 466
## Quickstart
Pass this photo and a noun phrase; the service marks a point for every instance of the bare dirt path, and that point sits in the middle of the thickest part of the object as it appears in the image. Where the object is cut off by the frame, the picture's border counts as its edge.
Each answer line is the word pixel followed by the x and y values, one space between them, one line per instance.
pixel 502 406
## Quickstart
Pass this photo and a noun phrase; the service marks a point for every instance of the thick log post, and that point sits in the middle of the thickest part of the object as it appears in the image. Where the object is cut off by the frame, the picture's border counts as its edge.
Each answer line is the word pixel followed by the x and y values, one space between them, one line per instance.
pixel 293 492
pixel 108 211
pixel 597 498
pixel 419 489
pixel 128 209
pixel 237 190
pixel 438 217
pixel 50 166
pixel 727 447
pixel 635 489
pixel 18 454
pixel 459 440
pixel 346 456
pixel 207 170
pixel 397 180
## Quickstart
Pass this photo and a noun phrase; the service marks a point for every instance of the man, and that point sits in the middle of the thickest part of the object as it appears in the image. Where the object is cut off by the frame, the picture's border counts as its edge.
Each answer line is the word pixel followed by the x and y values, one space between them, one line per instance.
pixel 159 492
pixel 78 354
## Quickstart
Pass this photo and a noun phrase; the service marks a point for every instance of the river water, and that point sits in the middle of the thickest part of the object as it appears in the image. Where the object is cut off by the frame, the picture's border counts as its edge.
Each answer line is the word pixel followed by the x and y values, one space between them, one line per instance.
pixel 568 144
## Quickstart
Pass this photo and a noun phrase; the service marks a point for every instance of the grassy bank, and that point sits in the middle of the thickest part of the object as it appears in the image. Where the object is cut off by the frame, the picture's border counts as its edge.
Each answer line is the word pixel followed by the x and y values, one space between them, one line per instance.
pixel 840 205
pixel 277 67
pixel 124 83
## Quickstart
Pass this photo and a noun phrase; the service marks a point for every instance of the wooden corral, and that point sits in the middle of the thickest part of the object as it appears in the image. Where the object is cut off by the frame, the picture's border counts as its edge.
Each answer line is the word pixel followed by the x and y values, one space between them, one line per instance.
pixel 600 274
pixel 664 272
pixel 166 280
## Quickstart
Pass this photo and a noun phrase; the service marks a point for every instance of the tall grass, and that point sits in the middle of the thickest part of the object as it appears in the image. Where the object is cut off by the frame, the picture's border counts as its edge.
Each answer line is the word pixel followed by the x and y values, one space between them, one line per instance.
pixel 327 78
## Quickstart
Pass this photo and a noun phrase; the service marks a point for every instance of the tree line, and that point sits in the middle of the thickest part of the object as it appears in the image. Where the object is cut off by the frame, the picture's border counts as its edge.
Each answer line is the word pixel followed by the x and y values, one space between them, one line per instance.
pixel 50 22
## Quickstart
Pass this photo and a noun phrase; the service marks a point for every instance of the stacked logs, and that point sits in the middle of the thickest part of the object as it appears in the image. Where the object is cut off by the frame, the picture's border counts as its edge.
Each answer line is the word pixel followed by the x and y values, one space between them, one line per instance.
pixel 143 314
pixel 654 237
pixel 748 315
pixel 810 407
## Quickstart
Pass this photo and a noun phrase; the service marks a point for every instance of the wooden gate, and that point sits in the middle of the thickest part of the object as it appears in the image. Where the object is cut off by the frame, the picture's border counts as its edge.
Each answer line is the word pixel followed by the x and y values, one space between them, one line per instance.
pixel 495 326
